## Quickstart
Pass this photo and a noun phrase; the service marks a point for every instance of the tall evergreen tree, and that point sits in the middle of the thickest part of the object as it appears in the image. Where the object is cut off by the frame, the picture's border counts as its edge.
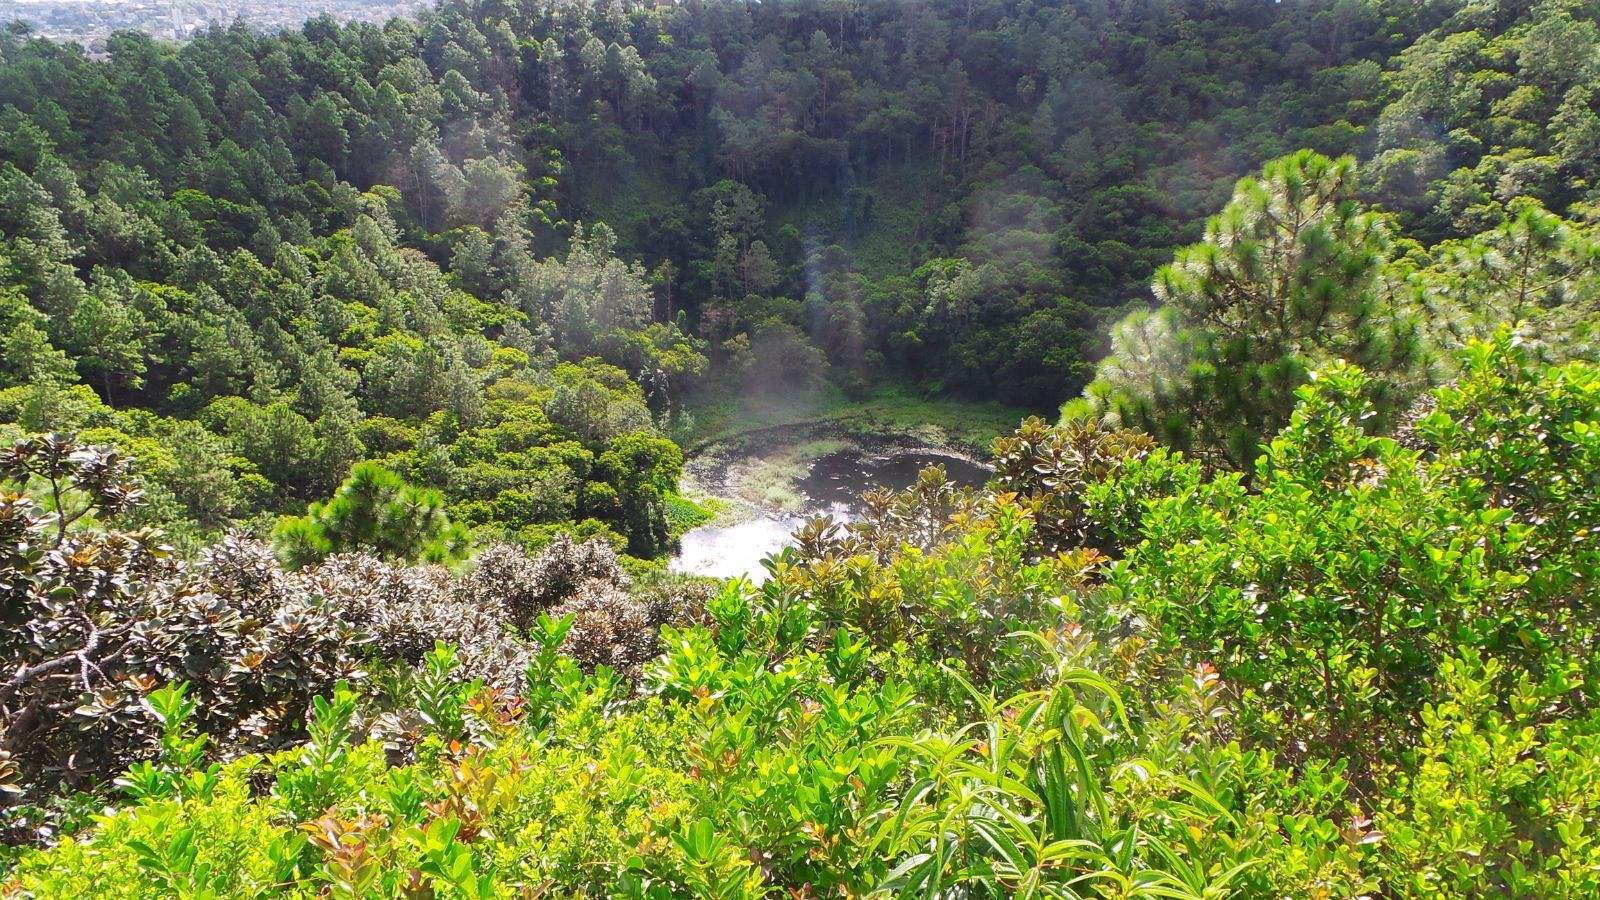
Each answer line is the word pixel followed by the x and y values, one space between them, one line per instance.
pixel 377 511
pixel 1287 279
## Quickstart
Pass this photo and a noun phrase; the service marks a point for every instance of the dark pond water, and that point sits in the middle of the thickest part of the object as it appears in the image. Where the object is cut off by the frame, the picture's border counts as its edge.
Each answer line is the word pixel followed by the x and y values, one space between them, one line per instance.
pixel 833 486
pixel 837 480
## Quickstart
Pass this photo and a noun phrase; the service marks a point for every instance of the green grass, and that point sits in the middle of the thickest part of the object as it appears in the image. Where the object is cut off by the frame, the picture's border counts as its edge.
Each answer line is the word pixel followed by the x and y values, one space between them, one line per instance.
pixel 771 481
pixel 890 409
pixel 686 513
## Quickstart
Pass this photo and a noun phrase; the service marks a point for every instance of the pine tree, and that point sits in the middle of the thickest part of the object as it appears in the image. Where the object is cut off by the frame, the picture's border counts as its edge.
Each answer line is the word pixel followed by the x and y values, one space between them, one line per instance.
pixel 1286 280
pixel 377 511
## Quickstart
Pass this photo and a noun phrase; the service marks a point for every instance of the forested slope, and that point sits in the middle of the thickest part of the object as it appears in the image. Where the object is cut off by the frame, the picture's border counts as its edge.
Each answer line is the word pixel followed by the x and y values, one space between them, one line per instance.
pixel 963 194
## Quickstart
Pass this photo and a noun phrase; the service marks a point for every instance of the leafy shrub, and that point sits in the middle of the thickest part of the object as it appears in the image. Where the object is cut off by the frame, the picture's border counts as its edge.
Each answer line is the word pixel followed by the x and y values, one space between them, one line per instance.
pixel 101 617
pixel 964 712
pixel 924 516
pixel 1332 593
pixel 1053 468
pixel 1498 798
pixel 610 626
pixel 104 616
pixel 526 586
pixel 405 610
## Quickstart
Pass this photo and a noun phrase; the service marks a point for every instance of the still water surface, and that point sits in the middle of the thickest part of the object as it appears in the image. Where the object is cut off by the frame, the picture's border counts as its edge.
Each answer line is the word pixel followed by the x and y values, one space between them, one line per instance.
pixel 833 486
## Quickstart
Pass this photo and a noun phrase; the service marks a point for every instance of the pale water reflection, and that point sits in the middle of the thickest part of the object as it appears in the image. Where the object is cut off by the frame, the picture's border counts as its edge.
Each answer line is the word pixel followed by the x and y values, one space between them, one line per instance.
pixel 833 486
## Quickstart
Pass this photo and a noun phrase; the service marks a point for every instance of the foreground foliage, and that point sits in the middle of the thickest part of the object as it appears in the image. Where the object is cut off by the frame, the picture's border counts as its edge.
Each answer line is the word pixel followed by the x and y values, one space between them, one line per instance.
pixel 938 699
pixel 98 617
pixel 1332 593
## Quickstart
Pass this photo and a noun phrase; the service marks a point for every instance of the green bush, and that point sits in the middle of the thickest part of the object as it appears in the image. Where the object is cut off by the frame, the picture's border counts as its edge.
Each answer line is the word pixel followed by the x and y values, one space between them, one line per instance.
pixel 1498 798
pixel 1332 592
pixel 1368 674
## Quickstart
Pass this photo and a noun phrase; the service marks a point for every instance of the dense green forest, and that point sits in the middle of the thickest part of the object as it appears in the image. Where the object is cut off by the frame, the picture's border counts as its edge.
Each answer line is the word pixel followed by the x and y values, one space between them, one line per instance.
pixel 345 376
